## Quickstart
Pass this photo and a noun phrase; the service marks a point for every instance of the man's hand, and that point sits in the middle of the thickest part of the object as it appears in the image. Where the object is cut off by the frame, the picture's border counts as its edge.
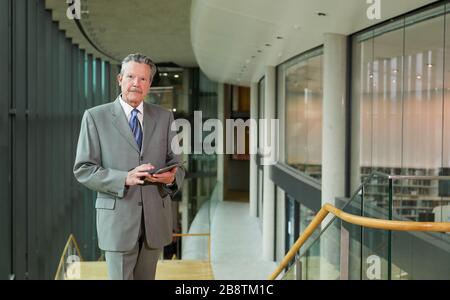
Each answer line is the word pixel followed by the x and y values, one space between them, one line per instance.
pixel 135 175
pixel 166 177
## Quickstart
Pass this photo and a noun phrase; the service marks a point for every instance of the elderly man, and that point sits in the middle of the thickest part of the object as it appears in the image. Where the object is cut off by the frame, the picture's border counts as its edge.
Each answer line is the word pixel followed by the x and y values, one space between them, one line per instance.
pixel 119 143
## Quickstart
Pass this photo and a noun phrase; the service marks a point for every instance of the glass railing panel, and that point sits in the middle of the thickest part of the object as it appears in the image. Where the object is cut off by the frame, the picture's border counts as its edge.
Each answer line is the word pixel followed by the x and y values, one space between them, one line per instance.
pixel 326 239
pixel 346 251
pixel 199 186
pixel 375 244
pixel 197 246
pixel 322 260
pixel 351 238
pixel 291 272
pixel 421 255
pixel 319 258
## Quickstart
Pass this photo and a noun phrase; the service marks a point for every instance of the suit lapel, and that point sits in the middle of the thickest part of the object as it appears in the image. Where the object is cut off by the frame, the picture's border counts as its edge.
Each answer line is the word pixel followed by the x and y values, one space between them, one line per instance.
pixel 120 122
pixel 149 125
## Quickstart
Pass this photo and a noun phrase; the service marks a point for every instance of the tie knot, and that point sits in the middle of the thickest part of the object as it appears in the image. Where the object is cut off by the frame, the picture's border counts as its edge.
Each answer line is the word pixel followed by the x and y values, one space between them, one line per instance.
pixel 134 112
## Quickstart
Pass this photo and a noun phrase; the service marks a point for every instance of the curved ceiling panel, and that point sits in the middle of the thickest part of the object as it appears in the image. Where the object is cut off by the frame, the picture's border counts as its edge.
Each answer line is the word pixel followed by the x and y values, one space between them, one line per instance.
pixel 159 29
pixel 233 39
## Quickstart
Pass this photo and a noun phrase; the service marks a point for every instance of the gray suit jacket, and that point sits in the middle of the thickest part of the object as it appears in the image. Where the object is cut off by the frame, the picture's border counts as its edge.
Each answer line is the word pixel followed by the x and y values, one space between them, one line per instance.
pixel 106 152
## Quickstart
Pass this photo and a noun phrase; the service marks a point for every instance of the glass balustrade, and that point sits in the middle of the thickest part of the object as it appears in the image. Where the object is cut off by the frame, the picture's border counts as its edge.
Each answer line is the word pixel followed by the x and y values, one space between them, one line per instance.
pixel 341 250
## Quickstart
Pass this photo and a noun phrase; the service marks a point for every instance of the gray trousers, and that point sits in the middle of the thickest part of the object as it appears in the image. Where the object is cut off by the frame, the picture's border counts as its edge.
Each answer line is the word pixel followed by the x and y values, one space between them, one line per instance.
pixel 137 264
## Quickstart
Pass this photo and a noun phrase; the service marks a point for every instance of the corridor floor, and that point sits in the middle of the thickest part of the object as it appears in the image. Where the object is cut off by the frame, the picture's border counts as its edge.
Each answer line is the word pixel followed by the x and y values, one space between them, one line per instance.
pixel 236 246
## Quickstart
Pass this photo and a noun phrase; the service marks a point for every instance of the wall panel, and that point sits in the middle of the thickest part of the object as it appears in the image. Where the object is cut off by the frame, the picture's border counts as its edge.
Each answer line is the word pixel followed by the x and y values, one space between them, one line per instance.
pixel 19 138
pixel 5 87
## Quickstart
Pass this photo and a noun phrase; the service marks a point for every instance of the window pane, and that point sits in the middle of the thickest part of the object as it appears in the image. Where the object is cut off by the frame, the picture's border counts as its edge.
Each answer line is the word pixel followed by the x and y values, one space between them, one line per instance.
pixel 301 81
pixel 385 81
pixel 424 62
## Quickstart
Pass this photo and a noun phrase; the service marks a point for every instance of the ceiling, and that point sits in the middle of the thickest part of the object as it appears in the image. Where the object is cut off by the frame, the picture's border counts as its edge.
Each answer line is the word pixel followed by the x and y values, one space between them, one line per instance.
pixel 231 40
pixel 226 35
pixel 159 29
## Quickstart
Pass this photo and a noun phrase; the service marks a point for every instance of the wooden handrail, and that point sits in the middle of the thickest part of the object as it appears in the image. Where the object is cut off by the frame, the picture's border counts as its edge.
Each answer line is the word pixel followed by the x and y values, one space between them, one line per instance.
pixel 388 224
pixel 356 220
pixel 191 234
pixel 197 234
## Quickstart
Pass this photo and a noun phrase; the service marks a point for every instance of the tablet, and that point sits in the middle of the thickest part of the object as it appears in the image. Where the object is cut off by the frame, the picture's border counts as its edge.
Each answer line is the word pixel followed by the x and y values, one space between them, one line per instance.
pixel 165 169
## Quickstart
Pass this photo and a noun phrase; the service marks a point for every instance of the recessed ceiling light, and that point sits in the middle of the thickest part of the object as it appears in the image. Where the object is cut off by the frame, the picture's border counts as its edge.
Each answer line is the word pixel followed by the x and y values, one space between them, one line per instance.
pixel 321 14
pixel 176 76
pixel 279 37
pixel 395 71
pixel 419 77
pixel 394 81
pixel 371 76
pixel 429 65
pixel 268 45
pixel 174 109
pixel 259 51
pixel 164 74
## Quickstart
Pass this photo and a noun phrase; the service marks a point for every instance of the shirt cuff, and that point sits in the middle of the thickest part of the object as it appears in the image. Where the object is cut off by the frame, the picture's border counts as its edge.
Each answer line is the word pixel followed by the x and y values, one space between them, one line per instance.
pixel 169 185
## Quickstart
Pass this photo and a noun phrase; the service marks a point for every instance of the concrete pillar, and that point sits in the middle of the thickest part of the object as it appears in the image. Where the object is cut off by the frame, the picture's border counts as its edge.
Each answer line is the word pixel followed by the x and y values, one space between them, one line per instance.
pixel 269 187
pixel 333 143
pixel 333 126
pixel 253 141
pixel 220 141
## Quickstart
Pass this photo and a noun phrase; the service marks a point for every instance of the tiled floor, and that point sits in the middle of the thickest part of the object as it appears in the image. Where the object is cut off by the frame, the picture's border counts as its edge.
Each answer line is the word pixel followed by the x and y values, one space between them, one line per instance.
pixel 236 245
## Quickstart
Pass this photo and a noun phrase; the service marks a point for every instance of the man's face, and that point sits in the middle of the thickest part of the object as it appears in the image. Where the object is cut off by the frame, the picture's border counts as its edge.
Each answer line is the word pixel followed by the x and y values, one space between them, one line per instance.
pixel 134 82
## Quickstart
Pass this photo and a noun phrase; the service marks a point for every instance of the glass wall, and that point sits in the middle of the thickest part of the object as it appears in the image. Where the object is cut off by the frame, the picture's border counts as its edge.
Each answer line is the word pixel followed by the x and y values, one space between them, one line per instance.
pixel 400 87
pixel 300 88
pixel 399 73
pixel 204 166
pixel 48 82
pixel 168 91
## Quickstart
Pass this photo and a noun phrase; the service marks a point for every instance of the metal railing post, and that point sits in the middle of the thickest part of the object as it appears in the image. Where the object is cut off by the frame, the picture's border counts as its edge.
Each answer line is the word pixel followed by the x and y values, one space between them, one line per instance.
pixel 390 232
pixel 298 269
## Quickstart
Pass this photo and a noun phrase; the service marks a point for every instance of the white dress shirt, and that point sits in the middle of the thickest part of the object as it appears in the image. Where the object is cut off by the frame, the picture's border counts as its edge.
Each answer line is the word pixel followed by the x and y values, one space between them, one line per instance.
pixel 127 108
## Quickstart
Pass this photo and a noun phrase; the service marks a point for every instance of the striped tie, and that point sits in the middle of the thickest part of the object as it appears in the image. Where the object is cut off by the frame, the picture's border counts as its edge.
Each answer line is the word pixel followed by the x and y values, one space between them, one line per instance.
pixel 136 127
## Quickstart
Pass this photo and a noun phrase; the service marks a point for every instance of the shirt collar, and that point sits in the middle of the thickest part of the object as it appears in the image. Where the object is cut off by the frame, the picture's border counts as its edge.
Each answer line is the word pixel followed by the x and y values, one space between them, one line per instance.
pixel 127 108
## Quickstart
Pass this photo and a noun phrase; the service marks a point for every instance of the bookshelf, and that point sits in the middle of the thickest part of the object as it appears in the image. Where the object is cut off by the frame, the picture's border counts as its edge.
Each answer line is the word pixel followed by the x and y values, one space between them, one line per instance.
pixel 413 199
